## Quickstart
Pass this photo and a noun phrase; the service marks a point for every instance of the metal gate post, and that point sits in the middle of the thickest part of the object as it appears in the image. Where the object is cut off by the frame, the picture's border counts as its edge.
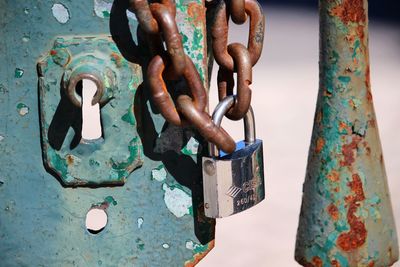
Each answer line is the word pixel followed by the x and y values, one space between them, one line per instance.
pixel 155 212
pixel 346 216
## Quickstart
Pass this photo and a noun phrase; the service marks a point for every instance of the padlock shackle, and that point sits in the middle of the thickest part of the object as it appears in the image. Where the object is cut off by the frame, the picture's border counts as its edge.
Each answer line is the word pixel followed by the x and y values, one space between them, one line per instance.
pixel 249 122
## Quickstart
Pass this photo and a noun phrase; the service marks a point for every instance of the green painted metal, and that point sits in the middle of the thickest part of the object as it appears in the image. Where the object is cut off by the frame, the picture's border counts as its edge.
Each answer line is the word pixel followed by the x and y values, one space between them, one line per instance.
pixel 346 216
pixel 156 218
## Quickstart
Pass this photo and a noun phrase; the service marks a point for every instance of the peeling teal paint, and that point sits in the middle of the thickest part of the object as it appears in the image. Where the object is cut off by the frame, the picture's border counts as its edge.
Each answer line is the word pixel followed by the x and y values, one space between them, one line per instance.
pixel 129 117
pixel 31 194
pixel 111 200
pixel 177 200
pixel 346 216
pixel 191 148
pixel 140 222
pixel 22 109
pixel 18 73
pixel 197 248
pixel 60 13
pixel 159 173
pixel 344 79
pixel 139 244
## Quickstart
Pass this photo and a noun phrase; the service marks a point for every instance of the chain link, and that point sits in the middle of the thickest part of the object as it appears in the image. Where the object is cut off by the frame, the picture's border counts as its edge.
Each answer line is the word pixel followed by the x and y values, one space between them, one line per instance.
pixel 244 78
pixel 159 19
pixel 236 57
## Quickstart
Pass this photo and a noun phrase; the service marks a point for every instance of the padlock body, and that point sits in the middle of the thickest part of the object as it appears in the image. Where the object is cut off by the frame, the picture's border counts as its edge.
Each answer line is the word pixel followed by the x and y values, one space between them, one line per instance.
pixel 235 182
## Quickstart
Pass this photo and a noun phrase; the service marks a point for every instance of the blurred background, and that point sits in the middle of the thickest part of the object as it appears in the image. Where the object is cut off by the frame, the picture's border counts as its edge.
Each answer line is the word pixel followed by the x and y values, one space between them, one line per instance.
pixel 285 87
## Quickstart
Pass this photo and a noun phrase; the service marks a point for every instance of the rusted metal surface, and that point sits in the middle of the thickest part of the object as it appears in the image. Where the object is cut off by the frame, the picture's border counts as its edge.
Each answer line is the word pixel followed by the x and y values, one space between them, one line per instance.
pixel 173 40
pixel 219 34
pixel 164 16
pixel 237 10
pixel 236 57
pixel 161 96
pixel 241 58
pixel 346 216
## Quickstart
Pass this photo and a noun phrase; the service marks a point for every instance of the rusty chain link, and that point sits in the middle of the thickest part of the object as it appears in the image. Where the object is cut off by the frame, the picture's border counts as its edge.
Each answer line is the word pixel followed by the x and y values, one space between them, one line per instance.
pixel 236 57
pixel 157 19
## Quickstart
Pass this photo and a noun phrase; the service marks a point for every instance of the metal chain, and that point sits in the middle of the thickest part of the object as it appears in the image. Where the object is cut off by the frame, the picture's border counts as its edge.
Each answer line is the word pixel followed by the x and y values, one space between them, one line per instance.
pixel 158 19
pixel 236 57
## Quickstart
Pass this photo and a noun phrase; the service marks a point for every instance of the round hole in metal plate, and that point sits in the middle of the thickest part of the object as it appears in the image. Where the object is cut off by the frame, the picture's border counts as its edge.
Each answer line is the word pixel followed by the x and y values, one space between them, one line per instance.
pixel 96 220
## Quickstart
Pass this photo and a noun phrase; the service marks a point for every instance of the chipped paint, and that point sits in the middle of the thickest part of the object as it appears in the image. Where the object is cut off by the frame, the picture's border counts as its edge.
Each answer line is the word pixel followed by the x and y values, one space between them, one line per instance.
pixel 1 138
pixel 63 203
pixel 345 193
pixel 111 200
pixel 165 245
pixel 159 173
pixel 26 38
pixel 140 222
pixel 191 148
pixel 22 109
pixel 139 244
pixel 102 9
pixel 61 13
pixel 177 201
pixel 201 252
pixel 18 73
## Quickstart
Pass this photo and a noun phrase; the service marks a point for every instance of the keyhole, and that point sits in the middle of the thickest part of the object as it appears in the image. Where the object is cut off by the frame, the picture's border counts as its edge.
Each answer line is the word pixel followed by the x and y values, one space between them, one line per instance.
pixel 91 122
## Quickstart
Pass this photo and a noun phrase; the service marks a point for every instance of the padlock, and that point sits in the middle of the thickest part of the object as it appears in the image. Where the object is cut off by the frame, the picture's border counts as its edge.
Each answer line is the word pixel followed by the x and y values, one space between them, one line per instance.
pixel 233 182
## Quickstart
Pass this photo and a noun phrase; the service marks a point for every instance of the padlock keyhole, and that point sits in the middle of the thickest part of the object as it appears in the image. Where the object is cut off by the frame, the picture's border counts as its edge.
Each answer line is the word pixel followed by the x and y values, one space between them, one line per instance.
pixel 91 118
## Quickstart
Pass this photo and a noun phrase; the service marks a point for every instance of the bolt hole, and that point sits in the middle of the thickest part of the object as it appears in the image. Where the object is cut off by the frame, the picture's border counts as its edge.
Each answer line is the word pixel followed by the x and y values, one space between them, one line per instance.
pixel 96 220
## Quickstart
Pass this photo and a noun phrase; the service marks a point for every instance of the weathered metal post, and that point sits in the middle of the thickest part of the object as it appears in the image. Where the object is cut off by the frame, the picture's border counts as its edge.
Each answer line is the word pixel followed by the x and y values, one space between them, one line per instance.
pixel 346 216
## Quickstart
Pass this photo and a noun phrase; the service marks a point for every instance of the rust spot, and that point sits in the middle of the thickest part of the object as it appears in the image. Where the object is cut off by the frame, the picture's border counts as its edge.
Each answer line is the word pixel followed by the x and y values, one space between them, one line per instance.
pixel 333 212
pixel 369 96
pixel 372 123
pixel 335 263
pixel 70 159
pixel 334 176
pixel 199 256
pixel 367 77
pixel 336 189
pixel 357 235
pixel 371 264
pixel 319 117
pixel 352 104
pixel 53 52
pixel 317 261
pixel 344 128
pixel 116 58
pixel 350 11
pixel 320 145
pixel 197 13
pixel 349 151
pixel 327 93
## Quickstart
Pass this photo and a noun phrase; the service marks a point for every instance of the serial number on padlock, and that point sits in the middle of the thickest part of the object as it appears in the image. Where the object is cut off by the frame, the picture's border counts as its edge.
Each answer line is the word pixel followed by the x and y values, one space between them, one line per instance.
pixel 246 200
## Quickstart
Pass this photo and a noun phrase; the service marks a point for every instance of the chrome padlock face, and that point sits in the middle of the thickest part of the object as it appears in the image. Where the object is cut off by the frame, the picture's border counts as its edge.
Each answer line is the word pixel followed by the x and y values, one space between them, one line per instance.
pixel 233 182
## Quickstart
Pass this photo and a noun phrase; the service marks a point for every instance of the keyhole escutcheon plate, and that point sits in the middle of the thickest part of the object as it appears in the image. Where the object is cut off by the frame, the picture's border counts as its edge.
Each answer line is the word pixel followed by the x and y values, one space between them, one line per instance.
pixel 73 159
